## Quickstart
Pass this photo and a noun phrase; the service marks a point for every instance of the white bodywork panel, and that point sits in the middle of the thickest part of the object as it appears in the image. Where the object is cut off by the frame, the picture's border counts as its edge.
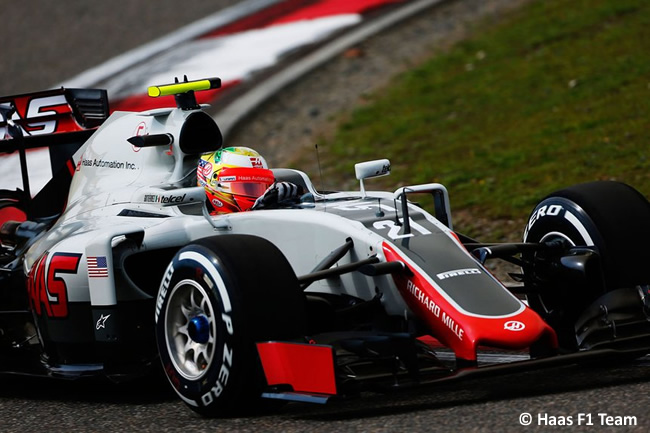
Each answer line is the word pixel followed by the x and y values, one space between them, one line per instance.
pixel 125 199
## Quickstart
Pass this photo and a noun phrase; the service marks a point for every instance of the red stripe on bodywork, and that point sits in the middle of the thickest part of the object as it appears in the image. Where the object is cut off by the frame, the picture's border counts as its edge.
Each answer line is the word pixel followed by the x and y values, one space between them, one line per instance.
pixel 71 166
pixel 306 367
pixel 461 332
pixel 10 213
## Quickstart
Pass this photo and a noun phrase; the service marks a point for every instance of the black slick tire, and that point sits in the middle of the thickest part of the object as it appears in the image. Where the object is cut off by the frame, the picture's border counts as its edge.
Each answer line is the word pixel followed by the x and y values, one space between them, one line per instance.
pixel 218 297
pixel 611 217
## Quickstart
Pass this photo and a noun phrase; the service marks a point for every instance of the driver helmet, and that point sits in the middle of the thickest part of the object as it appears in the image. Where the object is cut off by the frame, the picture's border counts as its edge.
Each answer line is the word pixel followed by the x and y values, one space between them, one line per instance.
pixel 233 178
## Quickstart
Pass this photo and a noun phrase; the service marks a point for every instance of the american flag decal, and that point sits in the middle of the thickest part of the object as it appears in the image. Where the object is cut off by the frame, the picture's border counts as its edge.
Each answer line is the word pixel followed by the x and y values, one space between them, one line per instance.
pixel 97 267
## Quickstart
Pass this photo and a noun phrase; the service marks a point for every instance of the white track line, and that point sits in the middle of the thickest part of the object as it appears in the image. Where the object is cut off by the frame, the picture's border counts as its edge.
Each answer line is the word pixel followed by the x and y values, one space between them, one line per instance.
pixel 119 64
pixel 229 116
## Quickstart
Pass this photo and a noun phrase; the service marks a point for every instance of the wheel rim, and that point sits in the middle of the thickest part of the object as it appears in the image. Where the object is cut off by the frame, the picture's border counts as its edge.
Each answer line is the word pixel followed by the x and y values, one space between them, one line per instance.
pixel 190 329
pixel 552 236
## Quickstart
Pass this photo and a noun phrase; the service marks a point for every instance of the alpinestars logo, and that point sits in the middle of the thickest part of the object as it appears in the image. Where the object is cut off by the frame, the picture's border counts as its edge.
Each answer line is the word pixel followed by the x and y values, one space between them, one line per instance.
pixel 101 323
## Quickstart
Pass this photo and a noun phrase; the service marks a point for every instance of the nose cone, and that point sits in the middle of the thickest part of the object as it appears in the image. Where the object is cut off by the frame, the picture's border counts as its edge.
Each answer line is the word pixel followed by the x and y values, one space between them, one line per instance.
pixel 518 332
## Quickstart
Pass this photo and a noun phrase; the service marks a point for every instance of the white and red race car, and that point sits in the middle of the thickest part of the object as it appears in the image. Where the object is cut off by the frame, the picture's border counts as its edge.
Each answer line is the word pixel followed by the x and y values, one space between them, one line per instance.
pixel 115 267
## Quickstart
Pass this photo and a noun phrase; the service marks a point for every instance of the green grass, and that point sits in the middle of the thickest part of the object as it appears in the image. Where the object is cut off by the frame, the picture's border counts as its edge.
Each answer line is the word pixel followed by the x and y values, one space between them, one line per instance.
pixel 557 94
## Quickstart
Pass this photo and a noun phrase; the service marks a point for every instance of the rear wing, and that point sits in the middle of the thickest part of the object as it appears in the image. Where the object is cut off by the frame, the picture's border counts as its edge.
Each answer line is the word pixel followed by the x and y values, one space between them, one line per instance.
pixel 44 116
pixel 58 122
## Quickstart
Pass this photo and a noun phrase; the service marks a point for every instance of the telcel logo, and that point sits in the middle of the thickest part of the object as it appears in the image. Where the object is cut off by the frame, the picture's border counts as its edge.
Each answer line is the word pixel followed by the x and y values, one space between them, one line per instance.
pixel 173 198
pixel 514 325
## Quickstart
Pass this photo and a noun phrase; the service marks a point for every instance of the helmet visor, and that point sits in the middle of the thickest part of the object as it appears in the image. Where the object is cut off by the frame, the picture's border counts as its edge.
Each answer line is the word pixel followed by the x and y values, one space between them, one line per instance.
pixel 245 181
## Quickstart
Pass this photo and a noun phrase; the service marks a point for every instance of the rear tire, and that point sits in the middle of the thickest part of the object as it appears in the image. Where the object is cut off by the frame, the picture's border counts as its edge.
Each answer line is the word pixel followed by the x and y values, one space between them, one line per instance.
pixel 219 296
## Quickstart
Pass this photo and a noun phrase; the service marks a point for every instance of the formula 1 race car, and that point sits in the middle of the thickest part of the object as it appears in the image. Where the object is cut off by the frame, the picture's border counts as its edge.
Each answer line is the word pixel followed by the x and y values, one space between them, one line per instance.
pixel 116 267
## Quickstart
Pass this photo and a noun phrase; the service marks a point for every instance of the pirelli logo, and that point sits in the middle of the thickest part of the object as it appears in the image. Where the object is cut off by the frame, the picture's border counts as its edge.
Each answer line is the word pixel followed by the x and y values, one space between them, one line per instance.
pixel 458 273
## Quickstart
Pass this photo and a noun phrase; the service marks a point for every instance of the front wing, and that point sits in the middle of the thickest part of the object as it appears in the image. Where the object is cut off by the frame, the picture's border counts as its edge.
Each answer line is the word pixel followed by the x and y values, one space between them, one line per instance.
pixel 316 373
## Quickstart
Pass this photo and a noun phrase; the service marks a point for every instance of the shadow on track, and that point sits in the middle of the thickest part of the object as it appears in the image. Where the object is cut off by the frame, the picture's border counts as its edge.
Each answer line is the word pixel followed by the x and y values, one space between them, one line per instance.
pixel 473 391
pixel 145 390
pixel 154 391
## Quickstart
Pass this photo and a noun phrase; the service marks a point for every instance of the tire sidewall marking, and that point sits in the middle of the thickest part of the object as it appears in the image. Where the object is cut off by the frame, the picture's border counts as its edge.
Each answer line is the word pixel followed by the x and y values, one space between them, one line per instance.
pixel 196 263
pixel 577 226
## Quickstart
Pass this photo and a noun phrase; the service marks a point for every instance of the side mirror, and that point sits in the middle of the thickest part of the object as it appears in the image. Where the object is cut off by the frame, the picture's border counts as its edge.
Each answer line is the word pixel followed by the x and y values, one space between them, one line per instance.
pixel 369 169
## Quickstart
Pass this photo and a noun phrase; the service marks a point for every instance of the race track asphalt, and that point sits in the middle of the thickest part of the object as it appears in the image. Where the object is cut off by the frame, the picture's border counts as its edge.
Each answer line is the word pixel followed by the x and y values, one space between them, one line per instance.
pixel 576 395
pixel 47 43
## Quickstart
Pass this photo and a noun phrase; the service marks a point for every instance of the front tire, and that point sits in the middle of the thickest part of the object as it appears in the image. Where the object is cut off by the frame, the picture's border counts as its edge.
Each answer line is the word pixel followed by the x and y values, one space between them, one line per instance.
pixel 611 218
pixel 219 296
